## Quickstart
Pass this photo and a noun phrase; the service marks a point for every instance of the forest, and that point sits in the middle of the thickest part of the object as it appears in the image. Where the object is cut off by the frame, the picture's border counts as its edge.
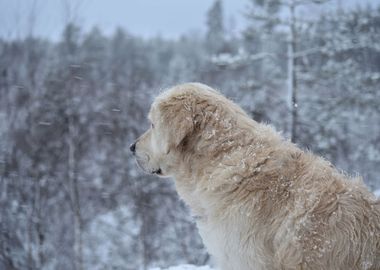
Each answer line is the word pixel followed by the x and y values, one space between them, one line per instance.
pixel 71 195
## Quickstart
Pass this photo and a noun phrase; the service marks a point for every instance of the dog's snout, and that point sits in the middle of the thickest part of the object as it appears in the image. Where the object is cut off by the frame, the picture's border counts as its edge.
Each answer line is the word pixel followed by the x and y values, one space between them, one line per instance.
pixel 132 147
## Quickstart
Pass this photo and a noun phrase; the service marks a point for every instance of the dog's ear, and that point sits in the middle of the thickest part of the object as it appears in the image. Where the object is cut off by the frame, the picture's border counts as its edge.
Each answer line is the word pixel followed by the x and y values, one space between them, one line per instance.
pixel 178 118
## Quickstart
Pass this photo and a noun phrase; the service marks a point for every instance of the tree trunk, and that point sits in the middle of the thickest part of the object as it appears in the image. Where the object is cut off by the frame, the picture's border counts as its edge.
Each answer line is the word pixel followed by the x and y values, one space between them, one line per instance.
pixel 78 222
pixel 292 76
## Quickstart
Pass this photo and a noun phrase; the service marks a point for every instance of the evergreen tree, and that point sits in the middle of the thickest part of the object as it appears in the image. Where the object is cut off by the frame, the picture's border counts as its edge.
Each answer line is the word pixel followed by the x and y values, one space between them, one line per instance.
pixel 215 36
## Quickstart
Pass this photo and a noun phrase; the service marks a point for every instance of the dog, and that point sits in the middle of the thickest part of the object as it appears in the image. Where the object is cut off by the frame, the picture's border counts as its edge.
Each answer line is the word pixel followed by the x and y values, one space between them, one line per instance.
pixel 260 201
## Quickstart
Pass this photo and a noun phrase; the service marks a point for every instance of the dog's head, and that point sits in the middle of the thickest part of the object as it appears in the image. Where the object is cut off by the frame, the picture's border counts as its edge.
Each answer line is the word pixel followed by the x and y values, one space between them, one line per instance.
pixel 181 118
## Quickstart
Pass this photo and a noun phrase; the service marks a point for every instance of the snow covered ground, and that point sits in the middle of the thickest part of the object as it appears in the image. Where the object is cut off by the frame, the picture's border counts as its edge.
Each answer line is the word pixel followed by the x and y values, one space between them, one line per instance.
pixel 377 193
pixel 186 267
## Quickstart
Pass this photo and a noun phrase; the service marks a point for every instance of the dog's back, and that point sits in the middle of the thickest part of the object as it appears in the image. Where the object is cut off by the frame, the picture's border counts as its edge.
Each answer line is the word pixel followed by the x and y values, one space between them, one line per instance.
pixel 298 212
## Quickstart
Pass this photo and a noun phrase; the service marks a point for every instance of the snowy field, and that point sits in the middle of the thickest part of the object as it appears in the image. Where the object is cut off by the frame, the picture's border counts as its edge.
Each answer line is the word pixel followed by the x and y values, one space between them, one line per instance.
pixel 186 267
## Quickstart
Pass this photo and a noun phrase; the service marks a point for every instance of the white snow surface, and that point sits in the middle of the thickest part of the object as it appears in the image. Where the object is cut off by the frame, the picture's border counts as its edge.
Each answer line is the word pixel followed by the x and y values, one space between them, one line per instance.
pixel 186 267
pixel 377 193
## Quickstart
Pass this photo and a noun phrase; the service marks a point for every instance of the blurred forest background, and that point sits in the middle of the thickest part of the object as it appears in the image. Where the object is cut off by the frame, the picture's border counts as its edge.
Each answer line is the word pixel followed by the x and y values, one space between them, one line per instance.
pixel 71 196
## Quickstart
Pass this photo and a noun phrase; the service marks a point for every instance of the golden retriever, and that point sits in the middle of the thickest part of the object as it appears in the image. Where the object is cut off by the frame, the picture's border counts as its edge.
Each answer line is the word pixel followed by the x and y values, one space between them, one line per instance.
pixel 261 202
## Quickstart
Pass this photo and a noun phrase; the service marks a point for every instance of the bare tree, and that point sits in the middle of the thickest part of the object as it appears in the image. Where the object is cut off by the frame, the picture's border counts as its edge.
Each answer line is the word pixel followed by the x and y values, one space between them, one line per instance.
pixel 270 17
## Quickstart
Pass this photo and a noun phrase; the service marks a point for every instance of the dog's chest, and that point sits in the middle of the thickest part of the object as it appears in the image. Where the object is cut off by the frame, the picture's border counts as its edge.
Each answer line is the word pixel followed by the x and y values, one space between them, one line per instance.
pixel 224 242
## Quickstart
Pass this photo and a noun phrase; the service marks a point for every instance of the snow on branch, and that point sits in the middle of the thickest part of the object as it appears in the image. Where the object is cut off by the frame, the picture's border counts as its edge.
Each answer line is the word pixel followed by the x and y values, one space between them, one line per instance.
pixel 239 59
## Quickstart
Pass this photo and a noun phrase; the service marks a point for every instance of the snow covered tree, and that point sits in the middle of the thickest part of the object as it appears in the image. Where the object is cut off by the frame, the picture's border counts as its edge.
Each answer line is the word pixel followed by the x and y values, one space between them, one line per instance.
pixel 342 80
pixel 267 16
pixel 215 36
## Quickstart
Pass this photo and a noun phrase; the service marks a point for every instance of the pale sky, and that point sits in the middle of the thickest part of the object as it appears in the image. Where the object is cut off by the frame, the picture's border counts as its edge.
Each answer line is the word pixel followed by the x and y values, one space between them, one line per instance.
pixel 169 18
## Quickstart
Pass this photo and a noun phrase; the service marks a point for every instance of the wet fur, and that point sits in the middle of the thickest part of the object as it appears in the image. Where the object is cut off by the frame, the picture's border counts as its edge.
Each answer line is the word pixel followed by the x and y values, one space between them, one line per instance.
pixel 262 202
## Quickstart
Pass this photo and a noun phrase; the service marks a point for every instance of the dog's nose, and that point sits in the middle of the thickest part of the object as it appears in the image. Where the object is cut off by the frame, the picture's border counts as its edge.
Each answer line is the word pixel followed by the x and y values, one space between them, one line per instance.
pixel 132 147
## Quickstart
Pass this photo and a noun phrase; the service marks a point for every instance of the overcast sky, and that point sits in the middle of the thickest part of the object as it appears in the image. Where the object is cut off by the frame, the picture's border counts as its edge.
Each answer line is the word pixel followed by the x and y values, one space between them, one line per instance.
pixel 169 18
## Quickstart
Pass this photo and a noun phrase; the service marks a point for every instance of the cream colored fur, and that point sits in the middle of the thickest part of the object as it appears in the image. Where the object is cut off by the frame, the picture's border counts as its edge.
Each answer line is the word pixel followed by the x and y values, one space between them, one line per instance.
pixel 262 202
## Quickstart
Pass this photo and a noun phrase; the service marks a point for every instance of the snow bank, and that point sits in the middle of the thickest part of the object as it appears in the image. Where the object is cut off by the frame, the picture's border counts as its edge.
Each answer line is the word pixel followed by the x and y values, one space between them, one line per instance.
pixel 186 267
